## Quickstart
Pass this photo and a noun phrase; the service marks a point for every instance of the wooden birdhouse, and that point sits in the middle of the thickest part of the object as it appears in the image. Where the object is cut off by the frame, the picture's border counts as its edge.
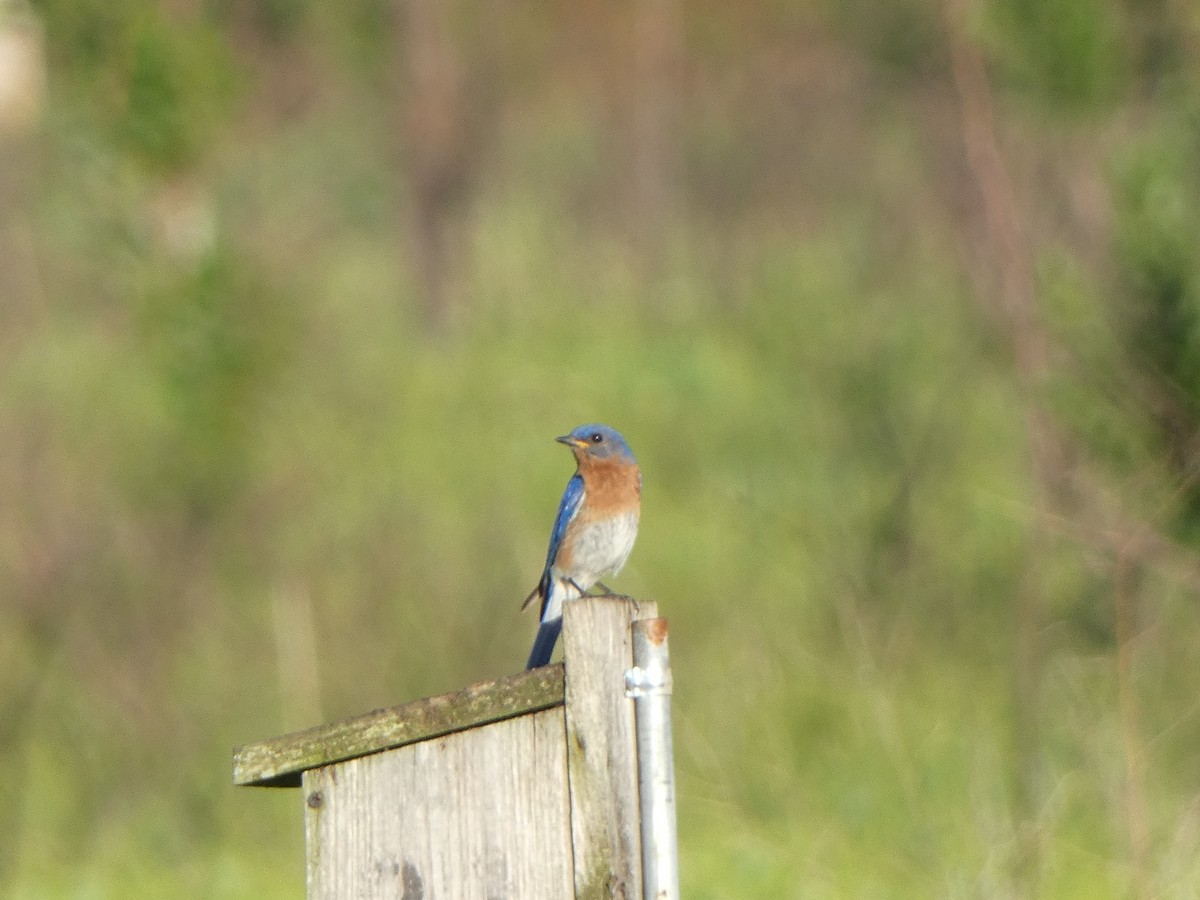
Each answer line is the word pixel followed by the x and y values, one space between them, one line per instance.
pixel 551 784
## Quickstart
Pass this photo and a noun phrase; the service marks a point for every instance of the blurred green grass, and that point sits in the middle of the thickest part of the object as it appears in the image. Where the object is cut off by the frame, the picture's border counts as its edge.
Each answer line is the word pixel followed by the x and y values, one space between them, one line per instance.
pixel 208 447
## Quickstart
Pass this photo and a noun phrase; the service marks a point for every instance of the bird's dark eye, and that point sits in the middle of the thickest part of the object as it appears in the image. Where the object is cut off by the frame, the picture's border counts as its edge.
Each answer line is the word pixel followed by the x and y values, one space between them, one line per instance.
pixel 597 437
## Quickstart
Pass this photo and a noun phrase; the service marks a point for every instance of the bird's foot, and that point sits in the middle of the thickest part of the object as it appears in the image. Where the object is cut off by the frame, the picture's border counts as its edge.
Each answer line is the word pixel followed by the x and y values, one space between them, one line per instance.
pixel 613 595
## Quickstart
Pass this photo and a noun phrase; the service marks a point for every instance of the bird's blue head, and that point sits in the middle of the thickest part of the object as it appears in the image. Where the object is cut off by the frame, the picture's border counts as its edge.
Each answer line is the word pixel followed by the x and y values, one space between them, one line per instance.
pixel 598 442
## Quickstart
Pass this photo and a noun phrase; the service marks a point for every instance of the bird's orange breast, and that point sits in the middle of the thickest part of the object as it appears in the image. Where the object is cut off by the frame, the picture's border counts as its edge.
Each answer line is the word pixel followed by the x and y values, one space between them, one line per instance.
pixel 612 486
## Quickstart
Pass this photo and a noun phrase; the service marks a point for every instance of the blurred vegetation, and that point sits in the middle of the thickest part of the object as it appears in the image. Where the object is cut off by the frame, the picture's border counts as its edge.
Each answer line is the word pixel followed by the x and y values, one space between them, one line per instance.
pixel 294 296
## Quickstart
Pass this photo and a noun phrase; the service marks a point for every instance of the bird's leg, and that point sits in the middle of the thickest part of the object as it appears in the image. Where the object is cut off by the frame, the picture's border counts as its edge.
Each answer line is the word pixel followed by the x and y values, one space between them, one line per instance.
pixel 591 592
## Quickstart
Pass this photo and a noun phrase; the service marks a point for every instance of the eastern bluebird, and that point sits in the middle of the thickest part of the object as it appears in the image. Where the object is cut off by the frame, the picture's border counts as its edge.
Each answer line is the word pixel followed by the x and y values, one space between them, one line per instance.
pixel 594 530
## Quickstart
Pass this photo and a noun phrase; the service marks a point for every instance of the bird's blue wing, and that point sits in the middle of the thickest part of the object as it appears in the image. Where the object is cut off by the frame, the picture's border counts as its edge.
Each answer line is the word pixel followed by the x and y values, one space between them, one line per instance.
pixel 572 498
pixel 568 508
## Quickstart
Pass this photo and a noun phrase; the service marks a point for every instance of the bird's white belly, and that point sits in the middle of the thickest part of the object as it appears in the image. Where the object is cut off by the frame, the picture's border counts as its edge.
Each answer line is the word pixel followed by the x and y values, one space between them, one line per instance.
pixel 601 548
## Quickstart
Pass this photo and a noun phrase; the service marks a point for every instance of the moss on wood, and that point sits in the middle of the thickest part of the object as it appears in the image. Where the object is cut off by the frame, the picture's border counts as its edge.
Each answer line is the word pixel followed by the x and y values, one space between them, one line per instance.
pixel 279 762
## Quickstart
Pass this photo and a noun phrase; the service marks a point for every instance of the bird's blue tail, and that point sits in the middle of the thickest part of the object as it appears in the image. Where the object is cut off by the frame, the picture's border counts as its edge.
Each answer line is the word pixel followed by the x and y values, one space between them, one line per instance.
pixel 543 644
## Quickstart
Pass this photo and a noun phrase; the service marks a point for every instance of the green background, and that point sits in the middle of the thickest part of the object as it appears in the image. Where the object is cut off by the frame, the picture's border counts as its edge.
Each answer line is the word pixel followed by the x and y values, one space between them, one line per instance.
pixel 933 597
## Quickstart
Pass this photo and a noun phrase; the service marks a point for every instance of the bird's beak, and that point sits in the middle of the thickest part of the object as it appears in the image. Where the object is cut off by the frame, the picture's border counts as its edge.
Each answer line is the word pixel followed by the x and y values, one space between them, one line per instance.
pixel 572 442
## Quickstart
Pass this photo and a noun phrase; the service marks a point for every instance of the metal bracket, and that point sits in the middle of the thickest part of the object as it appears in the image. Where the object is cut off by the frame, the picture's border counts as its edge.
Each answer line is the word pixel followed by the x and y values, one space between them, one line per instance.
pixel 649 682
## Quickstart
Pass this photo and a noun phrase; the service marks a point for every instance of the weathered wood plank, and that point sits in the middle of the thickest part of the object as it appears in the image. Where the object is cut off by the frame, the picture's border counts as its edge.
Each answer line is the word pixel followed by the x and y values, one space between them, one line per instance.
pixel 279 761
pixel 601 747
pixel 474 815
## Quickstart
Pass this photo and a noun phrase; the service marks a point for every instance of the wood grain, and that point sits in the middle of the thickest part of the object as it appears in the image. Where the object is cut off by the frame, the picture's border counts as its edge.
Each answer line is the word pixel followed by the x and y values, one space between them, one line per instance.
pixel 478 815
pixel 601 746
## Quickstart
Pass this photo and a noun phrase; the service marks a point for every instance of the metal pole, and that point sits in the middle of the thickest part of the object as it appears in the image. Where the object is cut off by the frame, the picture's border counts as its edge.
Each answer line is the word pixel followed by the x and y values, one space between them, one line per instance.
pixel 649 684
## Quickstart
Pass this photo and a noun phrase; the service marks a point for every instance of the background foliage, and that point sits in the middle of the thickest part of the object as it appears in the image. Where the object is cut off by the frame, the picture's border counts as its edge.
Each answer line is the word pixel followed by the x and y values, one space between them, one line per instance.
pixel 294 296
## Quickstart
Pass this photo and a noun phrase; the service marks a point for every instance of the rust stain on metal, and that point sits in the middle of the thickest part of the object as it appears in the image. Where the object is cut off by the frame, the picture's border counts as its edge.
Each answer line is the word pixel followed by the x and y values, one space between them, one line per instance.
pixel 656 630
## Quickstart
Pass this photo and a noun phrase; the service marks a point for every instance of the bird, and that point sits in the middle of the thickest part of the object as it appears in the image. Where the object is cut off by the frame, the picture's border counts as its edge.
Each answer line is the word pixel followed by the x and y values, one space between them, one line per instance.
pixel 594 529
